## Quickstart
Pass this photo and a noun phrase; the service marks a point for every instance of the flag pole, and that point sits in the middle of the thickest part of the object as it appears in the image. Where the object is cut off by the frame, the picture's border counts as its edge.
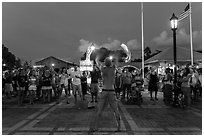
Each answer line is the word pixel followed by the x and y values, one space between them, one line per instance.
pixel 191 35
pixel 142 41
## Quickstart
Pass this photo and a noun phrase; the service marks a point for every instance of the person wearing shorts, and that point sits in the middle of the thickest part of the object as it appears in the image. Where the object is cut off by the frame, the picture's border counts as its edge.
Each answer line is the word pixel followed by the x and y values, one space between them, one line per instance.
pixel 32 86
pixel 8 84
pixel 76 83
pixel 63 84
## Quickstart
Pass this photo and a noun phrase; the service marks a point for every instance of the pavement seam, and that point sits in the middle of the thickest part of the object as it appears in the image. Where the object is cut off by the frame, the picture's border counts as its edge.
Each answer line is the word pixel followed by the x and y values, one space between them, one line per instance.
pixel 26 121
pixel 129 119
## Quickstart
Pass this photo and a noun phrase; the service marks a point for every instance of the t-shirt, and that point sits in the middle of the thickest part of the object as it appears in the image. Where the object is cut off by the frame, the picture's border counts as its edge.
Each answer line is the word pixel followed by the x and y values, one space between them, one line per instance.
pixel 127 77
pixel 118 81
pixel 76 81
pixel 32 80
pixel 22 81
pixel 83 79
pixel 46 80
pixel 8 79
pixel 95 75
pixel 194 79
pixel 63 78
pixel 200 79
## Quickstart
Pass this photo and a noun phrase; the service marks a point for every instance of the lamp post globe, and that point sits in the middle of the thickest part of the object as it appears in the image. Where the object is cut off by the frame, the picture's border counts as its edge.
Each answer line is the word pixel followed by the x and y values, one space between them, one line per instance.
pixel 174 22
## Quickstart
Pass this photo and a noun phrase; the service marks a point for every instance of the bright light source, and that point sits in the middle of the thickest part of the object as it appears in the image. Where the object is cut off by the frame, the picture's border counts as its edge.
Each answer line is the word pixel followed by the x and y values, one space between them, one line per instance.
pixel 111 57
pixel 53 64
pixel 174 22
pixel 4 64
pixel 92 48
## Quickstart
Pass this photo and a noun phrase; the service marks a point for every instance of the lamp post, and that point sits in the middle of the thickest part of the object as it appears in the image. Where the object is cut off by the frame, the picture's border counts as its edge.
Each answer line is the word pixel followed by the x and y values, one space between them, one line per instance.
pixel 174 24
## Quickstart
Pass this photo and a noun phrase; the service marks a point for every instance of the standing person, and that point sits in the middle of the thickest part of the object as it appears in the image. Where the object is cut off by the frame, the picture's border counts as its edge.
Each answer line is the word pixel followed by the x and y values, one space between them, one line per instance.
pixel 200 79
pixel 21 84
pixel 127 82
pixel 39 83
pixel 195 84
pixel 3 85
pixel 32 86
pixel 95 75
pixel 54 85
pixel 108 92
pixel 15 79
pixel 84 84
pixel 69 81
pixel 139 81
pixel 27 71
pixel 185 87
pixel 63 84
pixel 153 84
pixel 8 84
pixel 76 83
pixel 167 89
pixel 46 85
pixel 118 84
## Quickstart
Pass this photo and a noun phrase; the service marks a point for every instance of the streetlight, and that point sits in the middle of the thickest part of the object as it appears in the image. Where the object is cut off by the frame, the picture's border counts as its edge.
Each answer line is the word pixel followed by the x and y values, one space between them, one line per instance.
pixel 174 24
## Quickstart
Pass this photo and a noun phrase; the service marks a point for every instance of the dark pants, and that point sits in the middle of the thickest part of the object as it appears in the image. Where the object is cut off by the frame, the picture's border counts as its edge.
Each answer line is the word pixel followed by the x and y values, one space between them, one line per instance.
pixel 128 88
pixel 25 92
pixel 69 87
pixel 187 95
pixel 117 91
pixel 195 91
pixel 38 92
pixel 167 93
pixel 21 92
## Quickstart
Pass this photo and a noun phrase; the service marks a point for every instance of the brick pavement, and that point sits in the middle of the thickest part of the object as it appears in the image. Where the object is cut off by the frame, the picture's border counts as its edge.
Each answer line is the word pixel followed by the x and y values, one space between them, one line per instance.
pixel 75 119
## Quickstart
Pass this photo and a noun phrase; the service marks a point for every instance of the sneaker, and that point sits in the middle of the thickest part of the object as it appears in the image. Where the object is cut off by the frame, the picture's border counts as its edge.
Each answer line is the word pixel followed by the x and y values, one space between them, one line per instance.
pixel 92 101
pixel 68 102
pixel 151 99
pixel 96 101
pixel 156 99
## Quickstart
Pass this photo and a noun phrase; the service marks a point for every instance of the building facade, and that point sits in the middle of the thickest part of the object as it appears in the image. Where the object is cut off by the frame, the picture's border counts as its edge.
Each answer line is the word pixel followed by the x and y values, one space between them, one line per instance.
pixel 55 62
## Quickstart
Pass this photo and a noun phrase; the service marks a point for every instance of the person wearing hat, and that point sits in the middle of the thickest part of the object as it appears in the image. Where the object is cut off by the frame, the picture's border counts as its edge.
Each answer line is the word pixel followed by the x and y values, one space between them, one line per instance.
pixel 108 92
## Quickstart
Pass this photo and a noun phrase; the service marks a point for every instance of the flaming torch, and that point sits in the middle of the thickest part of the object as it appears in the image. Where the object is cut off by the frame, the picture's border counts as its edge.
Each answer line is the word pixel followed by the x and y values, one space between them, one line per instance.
pixel 127 51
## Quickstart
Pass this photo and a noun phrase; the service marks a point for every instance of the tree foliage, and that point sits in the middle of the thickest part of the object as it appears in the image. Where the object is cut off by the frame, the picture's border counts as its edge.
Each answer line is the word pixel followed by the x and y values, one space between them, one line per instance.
pixel 10 59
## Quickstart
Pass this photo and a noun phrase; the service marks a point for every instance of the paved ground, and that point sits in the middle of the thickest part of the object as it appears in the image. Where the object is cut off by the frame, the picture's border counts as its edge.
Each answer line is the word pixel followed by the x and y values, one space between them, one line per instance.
pixel 152 117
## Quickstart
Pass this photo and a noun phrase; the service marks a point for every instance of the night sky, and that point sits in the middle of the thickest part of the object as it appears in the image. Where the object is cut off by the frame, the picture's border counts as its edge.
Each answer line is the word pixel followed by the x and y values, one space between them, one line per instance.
pixel 38 30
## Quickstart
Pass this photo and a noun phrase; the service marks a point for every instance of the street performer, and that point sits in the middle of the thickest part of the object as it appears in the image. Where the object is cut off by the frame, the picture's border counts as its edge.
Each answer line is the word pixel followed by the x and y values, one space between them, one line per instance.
pixel 108 92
